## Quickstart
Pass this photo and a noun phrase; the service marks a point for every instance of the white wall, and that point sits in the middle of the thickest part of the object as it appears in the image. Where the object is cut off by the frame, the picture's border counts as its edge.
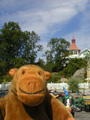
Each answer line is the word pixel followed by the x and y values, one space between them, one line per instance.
pixel 61 85
pixel 50 85
pixel 5 86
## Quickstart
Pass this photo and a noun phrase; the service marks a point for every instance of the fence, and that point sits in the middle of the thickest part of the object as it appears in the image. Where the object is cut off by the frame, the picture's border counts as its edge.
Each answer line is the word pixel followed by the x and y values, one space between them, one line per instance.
pixel 61 85
pixel 50 85
pixel 5 86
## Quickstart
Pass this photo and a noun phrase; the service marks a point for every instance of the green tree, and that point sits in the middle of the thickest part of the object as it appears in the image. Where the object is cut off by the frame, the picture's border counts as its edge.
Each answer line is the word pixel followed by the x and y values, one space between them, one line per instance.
pixel 53 79
pixel 72 66
pixel 11 39
pixel 41 63
pixel 17 47
pixel 31 47
pixel 57 53
pixel 73 84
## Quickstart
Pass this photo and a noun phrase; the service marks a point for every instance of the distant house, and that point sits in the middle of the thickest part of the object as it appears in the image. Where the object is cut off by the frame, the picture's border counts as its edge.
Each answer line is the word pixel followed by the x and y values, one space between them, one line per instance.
pixel 84 53
pixel 75 52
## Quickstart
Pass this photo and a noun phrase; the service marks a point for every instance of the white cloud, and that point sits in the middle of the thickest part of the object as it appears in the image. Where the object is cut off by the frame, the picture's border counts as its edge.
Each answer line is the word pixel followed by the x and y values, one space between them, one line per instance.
pixel 46 17
pixel 41 20
pixel 82 35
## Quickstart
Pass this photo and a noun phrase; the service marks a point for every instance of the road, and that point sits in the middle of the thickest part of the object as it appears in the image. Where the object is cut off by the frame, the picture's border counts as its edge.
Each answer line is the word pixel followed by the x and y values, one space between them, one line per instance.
pixel 82 115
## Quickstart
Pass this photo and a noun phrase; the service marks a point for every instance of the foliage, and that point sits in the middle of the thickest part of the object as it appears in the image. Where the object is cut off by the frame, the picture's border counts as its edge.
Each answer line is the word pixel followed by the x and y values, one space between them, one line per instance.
pixel 72 66
pixel 17 47
pixel 53 79
pixel 50 67
pixel 11 38
pixel 41 63
pixel 56 55
pixel 5 79
pixel 31 48
pixel 73 84
pixel 18 62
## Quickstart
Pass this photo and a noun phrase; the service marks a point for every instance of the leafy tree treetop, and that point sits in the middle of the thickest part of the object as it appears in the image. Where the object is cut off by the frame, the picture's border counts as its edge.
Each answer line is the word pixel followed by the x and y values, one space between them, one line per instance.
pixel 58 49
pixel 31 47
pixel 17 47
pixel 11 38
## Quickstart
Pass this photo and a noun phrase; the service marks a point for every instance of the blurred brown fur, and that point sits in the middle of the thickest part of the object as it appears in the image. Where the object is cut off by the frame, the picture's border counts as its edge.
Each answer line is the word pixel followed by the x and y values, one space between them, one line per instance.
pixel 28 97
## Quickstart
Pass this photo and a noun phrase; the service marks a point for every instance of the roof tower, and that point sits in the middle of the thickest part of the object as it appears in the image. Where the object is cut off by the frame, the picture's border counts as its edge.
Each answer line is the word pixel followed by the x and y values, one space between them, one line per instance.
pixel 73 45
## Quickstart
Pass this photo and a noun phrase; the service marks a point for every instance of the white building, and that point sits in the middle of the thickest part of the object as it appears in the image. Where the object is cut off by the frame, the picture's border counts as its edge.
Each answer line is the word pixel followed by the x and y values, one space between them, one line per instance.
pixel 75 52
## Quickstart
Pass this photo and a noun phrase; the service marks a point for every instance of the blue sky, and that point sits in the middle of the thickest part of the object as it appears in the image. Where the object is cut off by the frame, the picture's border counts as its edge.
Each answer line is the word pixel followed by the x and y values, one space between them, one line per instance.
pixel 50 18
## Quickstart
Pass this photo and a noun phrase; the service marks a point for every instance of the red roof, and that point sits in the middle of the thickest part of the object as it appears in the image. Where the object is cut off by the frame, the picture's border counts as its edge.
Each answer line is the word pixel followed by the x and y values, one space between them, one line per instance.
pixel 73 45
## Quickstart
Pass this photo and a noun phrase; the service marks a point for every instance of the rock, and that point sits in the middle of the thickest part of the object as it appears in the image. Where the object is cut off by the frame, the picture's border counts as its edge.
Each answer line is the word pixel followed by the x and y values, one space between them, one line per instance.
pixel 64 80
pixel 79 73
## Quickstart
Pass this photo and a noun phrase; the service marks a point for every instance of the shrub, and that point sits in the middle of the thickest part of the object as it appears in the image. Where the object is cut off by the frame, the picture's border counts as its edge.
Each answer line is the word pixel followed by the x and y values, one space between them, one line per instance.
pixel 73 84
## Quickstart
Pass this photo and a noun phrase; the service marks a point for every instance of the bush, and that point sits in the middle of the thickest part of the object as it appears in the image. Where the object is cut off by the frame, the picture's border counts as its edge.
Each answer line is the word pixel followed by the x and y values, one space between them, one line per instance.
pixel 5 79
pixel 53 79
pixel 73 84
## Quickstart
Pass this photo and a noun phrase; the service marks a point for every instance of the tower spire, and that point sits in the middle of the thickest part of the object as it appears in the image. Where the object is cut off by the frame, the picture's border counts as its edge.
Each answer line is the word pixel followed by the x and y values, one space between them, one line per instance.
pixel 73 45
